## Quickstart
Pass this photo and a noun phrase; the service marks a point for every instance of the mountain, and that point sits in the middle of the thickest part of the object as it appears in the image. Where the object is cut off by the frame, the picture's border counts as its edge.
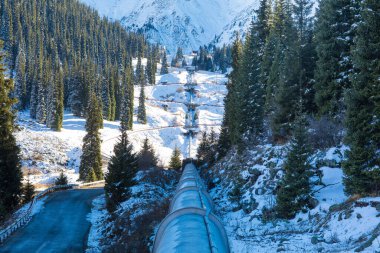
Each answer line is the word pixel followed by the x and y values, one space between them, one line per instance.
pixel 173 23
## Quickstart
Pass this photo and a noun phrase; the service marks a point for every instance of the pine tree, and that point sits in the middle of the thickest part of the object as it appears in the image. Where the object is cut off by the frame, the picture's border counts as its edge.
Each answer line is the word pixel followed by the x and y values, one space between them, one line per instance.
pixel 91 161
pixel 147 156
pixel 122 170
pixel 60 102
pixel 334 34
pixel 231 122
pixel 113 84
pixel 164 68
pixel 126 110
pixel 28 191
pixel 203 148
pixel 283 88
pixel 213 143
pixel 10 169
pixel 175 160
pixel 130 101
pixel 253 92
pixel 20 80
pixel 56 105
pixel 41 104
pixel 294 192
pixel 306 54
pixel 362 169
pixel 61 180
pixel 141 111
pixel 106 99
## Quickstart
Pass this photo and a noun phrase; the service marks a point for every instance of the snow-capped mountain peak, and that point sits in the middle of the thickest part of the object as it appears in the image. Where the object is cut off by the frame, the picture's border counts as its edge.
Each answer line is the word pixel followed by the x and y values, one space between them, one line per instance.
pixel 173 23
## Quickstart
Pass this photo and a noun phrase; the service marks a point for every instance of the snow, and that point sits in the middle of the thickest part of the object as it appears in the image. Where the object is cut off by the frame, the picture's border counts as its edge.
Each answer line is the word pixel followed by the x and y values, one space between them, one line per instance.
pixel 46 153
pixel 336 224
pixel 37 207
pixel 96 218
pixel 171 23
pixel 334 193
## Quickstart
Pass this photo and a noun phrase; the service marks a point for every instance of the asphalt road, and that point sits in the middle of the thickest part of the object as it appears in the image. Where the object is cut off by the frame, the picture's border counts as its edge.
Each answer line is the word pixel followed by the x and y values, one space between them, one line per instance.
pixel 61 226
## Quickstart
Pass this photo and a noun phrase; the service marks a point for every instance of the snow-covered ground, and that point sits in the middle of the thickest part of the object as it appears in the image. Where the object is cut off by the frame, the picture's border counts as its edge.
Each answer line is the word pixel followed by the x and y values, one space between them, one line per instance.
pixel 46 153
pixel 138 217
pixel 337 223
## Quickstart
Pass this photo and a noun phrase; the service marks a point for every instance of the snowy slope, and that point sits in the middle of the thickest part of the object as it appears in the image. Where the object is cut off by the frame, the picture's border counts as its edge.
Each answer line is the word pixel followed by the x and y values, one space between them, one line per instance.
pixel 45 153
pixel 173 23
pixel 245 194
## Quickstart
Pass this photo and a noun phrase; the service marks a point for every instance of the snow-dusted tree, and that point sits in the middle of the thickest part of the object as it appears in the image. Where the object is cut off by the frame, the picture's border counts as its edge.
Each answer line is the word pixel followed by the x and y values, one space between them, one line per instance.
pixel 362 171
pixel 175 160
pixel 62 179
pixel 10 168
pixel 303 21
pixel 57 107
pixel 106 98
pixel 294 191
pixel 165 66
pixel 122 169
pixel 141 111
pixel 252 90
pixel 20 79
pixel 139 70
pixel 28 191
pixel 129 95
pixel 147 157
pixel 334 36
pixel 91 161
pixel 282 86
pixel 41 104
pixel 203 148
pixel 230 134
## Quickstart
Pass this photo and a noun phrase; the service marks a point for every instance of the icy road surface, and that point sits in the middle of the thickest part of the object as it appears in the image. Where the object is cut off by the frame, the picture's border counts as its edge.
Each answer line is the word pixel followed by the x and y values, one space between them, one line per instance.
pixel 61 226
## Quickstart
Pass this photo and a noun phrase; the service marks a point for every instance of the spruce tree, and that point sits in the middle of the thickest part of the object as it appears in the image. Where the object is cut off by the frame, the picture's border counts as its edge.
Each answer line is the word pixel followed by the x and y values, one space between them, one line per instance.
pixel 282 87
pixel 41 104
pixel 334 34
pixel 91 161
pixel 62 179
pixel 106 98
pixel 122 170
pixel 233 99
pixel 203 148
pixel 57 105
pixel 28 191
pixel 253 91
pixel 303 21
pixel 10 168
pixel 175 160
pixel 20 80
pixel 147 157
pixel 141 111
pixel 294 191
pixel 230 130
pixel 362 169
pixel 113 84
pixel 130 98
pixel 164 67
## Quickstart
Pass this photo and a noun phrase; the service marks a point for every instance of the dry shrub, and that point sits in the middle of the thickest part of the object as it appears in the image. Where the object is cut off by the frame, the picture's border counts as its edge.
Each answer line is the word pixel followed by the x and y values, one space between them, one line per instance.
pixel 140 230
pixel 324 133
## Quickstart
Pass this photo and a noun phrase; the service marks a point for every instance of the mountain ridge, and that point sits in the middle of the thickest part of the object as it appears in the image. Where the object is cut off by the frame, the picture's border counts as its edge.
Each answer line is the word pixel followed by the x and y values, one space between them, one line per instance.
pixel 188 24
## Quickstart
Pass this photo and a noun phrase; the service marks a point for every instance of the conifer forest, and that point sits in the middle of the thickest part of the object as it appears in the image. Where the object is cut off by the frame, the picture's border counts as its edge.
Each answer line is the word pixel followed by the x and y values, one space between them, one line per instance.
pixel 224 126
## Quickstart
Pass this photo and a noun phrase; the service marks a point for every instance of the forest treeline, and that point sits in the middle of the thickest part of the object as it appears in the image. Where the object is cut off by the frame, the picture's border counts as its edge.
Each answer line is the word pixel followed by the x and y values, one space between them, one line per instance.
pixel 312 80
pixel 59 52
